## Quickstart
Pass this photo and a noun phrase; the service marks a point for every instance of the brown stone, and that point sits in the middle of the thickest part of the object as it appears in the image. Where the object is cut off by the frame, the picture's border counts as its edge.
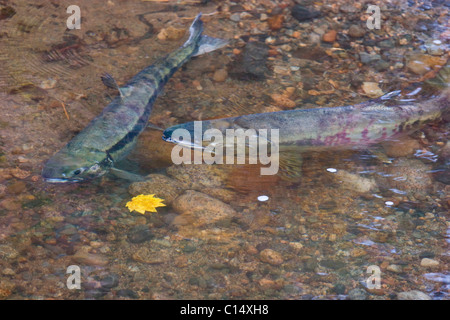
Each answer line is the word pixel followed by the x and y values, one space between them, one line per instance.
pixel 220 75
pixel 330 36
pixel 270 256
pixel 276 22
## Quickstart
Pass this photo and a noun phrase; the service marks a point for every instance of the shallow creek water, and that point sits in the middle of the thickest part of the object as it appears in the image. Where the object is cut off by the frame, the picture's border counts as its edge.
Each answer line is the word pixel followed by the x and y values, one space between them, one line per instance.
pixel 312 238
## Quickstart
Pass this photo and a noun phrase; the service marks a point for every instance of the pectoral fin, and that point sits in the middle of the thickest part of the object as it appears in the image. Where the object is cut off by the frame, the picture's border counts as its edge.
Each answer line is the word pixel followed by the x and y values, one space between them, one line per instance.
pixel 290 164
pixel 127 175
pixel 154 127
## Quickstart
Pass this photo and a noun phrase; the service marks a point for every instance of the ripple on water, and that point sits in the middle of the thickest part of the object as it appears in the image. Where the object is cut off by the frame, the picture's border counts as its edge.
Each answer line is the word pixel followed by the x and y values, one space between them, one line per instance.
pixel 438 277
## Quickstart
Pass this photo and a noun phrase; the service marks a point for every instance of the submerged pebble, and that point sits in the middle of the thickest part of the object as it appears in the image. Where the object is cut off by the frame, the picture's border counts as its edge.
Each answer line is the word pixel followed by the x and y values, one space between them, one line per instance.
pixel 7 252
pixel 282 101
pixel 367 58
pixel 330 36
pixel 146 255
pixel 160 185
pixel 276 22
pixel 354 182
pixel 301 13
pixel 357 294
pixel 372 89
pixel 140 234
pixel 127 293
pixel 83 256
pixel 423 63
pixel 171 33
pixel 204 208
pixel 401 148
pixel 220 75
pixel 395 268
pixel 356 31
pixel 271 256
pixel 348 8
pixel 429 263
pixel 408 175
pixel 252 64
pixel 413 295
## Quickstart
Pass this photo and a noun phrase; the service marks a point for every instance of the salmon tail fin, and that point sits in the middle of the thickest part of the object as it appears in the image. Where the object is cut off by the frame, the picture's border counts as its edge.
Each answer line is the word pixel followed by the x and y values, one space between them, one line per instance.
pixel 195 31
pixel 208 44
pixel 204 43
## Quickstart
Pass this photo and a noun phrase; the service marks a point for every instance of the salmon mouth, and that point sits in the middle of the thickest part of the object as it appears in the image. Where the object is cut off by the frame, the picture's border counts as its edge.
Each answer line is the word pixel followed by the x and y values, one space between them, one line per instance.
pixel 167 136
pixel 61 180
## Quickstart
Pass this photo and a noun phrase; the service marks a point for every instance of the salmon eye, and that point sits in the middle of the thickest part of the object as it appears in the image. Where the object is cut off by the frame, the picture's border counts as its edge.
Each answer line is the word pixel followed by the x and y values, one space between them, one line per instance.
pixel 77 172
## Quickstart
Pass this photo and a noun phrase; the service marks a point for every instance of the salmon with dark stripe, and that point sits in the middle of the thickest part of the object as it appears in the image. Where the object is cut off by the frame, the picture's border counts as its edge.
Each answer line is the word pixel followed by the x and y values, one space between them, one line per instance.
pixel 112 135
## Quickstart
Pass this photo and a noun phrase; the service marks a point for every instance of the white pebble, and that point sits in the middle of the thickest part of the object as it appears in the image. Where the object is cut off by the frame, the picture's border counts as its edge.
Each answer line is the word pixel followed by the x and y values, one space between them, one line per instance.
pixel 333 170
pixel 263 198
pixel 389 203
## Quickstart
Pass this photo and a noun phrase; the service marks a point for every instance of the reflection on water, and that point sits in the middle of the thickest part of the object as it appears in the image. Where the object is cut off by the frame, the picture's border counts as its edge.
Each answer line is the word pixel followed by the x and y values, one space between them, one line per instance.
pixel 227 232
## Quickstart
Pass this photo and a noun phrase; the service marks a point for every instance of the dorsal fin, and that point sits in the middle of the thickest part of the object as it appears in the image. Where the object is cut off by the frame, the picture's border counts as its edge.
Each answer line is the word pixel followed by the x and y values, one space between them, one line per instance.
pixel 110 82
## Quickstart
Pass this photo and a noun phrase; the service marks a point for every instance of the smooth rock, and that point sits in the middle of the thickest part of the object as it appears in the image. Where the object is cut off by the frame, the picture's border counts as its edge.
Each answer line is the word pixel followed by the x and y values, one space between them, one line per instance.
pixel 110 281
pixel 127 293
pixel 330 36
pixel 435 48
pixel 252 64
pixel 158 184
pixel 355 31
pixel 332 264
pixel 171 33
pixel 402 148
pixel 145 255
pixel 202 207
pixel 367 58
pixel 48 84
pixel 408 175
pixel 382 65
pixel 7 252
pixel 395 268
pixel 302 13
pixel 95 293
pixel 220 75
pixel 348 8
pixel 429 263
pixel 339 288
pixel 236 17
pixel 276 22
pixel 423 63
pixel 413 295
pixel 354 182
pixel 386 44
pixel 197 176
pixel 270 256
pixel 16 187
pixel 282 101
pixel 83 257
pixel 357 294
pixel 140 234
pixel 372 90
pixel 8 272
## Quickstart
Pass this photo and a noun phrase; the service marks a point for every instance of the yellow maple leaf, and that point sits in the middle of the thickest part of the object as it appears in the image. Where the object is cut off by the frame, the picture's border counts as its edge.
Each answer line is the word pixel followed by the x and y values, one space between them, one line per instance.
pixel 142 203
